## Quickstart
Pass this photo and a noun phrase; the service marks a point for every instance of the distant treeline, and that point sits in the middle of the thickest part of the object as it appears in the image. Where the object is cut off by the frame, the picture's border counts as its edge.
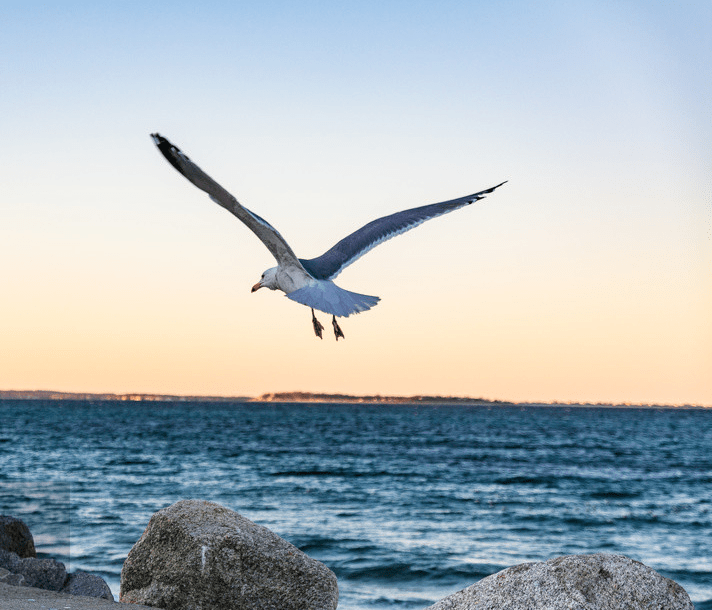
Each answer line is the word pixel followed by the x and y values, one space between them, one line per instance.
pixel 51 395
pixel 305 397
pixel 375 398
pixel 270 397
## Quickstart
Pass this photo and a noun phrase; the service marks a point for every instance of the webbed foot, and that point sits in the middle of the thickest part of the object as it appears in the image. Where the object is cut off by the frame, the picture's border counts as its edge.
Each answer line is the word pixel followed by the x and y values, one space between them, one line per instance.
pixel 337 329
pixel 317 325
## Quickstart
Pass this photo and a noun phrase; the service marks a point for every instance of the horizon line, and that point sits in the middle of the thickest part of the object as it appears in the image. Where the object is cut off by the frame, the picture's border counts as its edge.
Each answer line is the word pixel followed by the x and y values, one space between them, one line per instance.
pixel 316 397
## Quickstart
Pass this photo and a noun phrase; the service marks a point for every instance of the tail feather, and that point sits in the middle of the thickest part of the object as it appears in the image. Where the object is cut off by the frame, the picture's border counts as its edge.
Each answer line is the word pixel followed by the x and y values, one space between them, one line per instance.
pixel 326 296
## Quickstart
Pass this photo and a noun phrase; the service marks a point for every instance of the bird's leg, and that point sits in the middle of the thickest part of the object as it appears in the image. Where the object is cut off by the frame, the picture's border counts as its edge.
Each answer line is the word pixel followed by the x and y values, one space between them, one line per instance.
pixel 337 329
pixel 317 325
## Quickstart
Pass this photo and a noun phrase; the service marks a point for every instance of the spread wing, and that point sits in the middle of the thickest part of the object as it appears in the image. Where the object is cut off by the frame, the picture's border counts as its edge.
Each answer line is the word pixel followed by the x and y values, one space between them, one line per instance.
pixel 269 236
pixel 333 261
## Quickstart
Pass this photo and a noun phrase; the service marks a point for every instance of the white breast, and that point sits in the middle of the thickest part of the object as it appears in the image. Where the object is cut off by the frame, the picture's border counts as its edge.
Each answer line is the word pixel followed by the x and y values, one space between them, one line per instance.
pixel 292 278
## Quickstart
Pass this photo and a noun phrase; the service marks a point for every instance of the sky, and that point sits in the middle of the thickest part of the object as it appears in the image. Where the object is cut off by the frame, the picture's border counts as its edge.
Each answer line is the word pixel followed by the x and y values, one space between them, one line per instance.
pixel 587 277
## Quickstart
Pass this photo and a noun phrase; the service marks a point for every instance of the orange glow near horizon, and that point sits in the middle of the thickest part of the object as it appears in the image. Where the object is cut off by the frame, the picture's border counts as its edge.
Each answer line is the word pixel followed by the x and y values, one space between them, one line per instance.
pixel 558 347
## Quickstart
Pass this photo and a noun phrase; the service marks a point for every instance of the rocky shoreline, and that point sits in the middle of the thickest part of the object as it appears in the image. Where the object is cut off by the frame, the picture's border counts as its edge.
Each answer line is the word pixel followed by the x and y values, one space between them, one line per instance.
pixel 20 566
pixel 197 555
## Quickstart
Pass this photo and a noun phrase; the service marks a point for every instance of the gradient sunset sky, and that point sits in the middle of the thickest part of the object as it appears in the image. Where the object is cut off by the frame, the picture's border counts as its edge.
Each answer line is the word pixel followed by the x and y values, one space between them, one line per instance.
pixel 588 277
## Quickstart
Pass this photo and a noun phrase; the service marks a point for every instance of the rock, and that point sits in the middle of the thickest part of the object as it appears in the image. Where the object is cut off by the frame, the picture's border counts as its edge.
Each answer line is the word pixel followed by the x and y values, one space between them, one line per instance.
pixel 88 585
pixel 583 582
pixel 46 574
pixel 8 560
pixel 50 575
pixel 9 578
pixel 199 555
pixel 15 537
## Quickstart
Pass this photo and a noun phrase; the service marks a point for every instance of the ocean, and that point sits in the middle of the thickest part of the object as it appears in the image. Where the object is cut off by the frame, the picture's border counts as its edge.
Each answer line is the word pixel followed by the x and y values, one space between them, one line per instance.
pixel 405 503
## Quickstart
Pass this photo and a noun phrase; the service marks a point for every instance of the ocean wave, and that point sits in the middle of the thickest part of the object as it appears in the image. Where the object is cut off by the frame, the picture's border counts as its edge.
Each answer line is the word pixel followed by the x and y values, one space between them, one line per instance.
pixel 342 473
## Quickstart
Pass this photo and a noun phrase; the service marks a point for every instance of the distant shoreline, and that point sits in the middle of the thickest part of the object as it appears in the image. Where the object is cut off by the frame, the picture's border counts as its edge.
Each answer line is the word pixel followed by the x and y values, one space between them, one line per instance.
pixel 312 397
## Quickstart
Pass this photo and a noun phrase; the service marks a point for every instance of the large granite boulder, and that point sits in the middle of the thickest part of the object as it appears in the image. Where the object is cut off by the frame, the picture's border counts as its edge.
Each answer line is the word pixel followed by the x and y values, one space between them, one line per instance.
pixel 15 537
pixel 88 585
pixel 199 555
pixel 584 582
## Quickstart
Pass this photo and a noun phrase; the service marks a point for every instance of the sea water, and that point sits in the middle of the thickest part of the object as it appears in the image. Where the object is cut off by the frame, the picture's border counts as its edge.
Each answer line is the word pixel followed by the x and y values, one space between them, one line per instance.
pixel 405 503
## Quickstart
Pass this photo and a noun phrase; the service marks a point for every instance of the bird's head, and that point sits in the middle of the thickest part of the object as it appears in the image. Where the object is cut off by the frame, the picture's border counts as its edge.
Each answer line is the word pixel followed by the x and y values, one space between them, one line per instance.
pixel 268 280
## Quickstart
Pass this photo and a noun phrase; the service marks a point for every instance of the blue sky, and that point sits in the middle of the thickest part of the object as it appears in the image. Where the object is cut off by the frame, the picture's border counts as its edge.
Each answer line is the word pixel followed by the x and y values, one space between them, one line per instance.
pixel 587 277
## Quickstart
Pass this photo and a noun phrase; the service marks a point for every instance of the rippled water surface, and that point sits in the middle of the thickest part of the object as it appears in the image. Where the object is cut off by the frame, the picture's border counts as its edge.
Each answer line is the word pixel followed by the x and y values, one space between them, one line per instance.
pixel 405 503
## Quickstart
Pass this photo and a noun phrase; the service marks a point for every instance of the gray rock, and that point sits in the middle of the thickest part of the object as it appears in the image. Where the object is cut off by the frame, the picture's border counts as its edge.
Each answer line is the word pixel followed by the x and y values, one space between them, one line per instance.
pixel 9 578
pixel 41 573
pixel 8 560
pixel 197 555
pixel 88 585
pixel 48 574
pixel 15 537
pixel 580 582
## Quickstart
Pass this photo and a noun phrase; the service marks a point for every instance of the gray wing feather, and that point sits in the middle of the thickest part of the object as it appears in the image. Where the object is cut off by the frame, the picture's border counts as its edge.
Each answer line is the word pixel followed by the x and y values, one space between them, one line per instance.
pixel 269 236
pixel 333 261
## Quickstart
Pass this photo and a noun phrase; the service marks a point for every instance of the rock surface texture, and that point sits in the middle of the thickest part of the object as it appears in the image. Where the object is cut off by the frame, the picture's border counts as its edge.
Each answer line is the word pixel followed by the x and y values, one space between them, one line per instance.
pixel 15 537
pixel 197 555
pixel 87 585
pixel 10 578
pixel 580 582
pixel 41 573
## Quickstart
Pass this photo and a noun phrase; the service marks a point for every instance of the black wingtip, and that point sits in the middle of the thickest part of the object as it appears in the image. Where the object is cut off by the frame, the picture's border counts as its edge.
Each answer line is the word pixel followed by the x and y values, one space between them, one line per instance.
pixel 482 194
pixel 170 151
pixel 158 139
pixel 495 187
pixel 163 143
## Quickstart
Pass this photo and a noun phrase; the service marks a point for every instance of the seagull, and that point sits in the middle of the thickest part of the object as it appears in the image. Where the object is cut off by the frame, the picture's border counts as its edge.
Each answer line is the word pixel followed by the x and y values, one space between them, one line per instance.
pixel 310 281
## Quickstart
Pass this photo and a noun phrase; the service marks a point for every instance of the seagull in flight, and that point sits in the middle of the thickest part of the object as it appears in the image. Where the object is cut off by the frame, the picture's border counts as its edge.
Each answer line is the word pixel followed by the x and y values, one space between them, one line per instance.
pixel 309 281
